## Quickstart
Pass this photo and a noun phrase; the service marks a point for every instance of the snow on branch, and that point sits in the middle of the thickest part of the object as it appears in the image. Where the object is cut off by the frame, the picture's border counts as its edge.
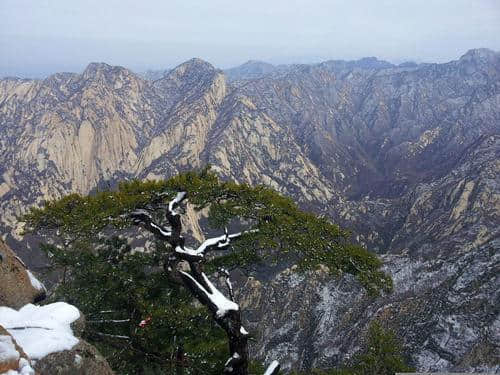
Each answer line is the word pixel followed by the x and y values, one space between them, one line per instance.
pixel 231 363
pixel 175 202
pixel 108 321
pixel 273 368
pixel 164 232
pixel 213 298
pixel 229 285
pixel 216 243
pixel 142 216
pixel 113 336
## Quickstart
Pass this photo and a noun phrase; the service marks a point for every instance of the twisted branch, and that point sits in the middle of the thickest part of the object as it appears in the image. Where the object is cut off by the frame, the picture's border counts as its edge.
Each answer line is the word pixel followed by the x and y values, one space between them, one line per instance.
pixel 226 311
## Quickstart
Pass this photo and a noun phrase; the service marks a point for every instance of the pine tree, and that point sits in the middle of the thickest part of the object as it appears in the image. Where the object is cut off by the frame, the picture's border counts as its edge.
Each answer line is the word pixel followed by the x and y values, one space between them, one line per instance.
pixel 383 354
pixel 272 229
pixel 135 314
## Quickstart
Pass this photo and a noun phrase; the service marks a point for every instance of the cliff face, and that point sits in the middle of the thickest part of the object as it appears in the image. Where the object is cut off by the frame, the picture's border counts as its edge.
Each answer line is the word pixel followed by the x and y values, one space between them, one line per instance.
pixel 69 132
pixel 444 259
pixel 406 156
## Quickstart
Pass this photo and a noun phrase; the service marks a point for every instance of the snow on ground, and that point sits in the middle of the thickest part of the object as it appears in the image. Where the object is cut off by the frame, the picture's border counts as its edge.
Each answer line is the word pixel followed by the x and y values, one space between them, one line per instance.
pixel 41 330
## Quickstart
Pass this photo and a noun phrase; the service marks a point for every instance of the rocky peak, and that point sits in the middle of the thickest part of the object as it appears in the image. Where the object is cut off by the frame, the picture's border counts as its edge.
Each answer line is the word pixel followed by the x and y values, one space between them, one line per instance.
pixel 95 68
pixel 480 54
pixel 480 61
pixel 191 79
pixel 58 78
pixel 365 63
pixel 372 63
pixel 256 63
pixel 192 69
pixel 250 70
pixel 111 75
pixel 408 64
pixel 194 72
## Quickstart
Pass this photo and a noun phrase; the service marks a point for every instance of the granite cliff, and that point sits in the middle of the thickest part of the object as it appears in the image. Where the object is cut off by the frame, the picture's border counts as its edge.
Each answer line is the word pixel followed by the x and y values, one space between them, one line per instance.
pixel 407 156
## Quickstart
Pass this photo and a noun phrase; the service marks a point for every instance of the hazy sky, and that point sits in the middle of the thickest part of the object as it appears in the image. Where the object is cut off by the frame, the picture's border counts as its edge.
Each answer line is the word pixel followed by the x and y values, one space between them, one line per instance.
pixel 45 36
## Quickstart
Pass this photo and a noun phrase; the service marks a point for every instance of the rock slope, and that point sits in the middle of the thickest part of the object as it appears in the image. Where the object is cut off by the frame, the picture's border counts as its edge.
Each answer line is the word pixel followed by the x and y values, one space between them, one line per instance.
pixel 407 156
pixel 18 285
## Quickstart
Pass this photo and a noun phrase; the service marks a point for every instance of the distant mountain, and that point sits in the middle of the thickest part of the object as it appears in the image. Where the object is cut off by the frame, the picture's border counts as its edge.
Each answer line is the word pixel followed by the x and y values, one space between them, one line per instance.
pixel 250 70
pixel 407 156
pixel 254 69
pixel 153 75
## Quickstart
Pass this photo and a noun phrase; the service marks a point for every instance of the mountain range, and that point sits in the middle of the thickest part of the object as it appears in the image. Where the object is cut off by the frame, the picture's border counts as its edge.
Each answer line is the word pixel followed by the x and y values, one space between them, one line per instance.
pixel 406 156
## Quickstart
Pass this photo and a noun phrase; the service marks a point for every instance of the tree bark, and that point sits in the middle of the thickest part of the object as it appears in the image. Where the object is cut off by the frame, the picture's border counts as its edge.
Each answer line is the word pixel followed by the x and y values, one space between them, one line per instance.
pixel 180 360
pixel 226 312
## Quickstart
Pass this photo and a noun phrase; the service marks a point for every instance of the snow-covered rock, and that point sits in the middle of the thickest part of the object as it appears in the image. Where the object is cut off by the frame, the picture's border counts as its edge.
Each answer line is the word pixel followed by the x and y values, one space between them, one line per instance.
pixel 46 335
pixel 41 330
pixel 18 286
pixel 82 359
pixel 13 360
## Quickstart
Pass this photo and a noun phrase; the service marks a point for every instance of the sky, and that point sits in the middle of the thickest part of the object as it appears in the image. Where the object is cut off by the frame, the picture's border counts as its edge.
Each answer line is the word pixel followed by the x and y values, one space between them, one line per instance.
pixel 40 37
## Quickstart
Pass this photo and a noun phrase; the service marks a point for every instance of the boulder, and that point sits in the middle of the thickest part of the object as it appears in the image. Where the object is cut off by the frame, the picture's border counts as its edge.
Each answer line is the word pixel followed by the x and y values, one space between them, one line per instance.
pixel 47 335
pixel 18 286
pixel 82 359
pixel 13 359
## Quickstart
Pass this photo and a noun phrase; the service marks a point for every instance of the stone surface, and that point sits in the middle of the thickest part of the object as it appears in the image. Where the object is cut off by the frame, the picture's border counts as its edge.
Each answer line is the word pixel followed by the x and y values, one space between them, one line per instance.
pixel 83 359
pixel 17 360
pixel 16 289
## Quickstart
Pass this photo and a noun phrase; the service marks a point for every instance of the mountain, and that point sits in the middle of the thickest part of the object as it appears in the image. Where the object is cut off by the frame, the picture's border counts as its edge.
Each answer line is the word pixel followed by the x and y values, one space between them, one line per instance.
pixel 406 156
pixel 250 70
pixel 153 75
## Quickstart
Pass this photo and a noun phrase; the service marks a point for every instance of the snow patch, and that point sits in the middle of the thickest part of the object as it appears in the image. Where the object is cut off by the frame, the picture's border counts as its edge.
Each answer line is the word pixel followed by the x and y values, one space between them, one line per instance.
pixel 8 353
pixel 24 369
pixel 234 356
pixel 41 330
pixel 35 282
pixel 188 251
pixel 161 230
pixel 78 360
pixel 8 350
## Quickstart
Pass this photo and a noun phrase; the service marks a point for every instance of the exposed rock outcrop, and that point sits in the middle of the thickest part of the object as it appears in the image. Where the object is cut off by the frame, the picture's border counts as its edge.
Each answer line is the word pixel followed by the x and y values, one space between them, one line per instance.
pixel 82 359
pixel 13 359
pixel 442 311
pixel 18 286
pixel 45 337
pixel 41 338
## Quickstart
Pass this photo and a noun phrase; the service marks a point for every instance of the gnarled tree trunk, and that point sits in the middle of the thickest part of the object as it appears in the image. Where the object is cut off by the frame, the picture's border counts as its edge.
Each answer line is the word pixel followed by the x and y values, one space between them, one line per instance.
pixel 225 311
